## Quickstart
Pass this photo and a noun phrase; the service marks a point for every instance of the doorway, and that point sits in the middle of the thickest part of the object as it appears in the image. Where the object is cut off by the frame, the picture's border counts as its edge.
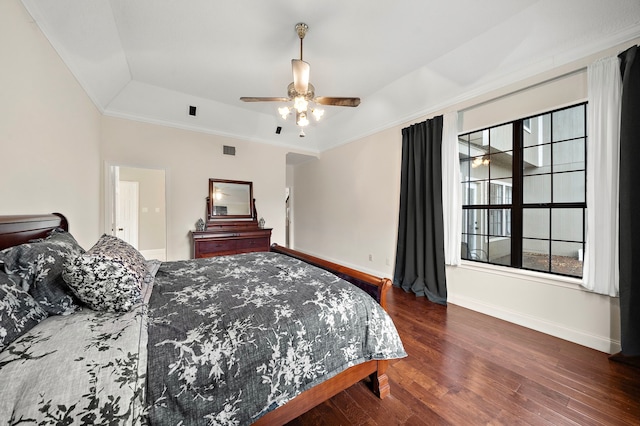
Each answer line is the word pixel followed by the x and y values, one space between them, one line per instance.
pixel 135 208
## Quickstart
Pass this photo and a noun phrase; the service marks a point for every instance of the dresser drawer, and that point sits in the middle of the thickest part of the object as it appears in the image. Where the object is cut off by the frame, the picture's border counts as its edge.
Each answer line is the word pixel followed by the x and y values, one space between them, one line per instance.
pixel 208 248
pixel 233 240
pixel 253 244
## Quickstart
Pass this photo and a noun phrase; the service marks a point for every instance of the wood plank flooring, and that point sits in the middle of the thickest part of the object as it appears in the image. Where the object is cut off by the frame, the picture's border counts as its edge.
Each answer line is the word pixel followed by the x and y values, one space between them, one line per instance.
pixel 466 368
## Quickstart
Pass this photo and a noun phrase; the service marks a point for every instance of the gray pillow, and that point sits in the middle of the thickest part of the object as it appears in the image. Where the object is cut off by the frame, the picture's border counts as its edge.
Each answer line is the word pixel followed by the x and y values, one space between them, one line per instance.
pixel 109 276
pixel 38 267
pixel 19 312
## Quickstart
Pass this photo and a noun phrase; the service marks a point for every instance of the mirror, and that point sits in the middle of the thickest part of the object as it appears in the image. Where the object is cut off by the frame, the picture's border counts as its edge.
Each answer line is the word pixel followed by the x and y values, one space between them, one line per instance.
pixel 230 199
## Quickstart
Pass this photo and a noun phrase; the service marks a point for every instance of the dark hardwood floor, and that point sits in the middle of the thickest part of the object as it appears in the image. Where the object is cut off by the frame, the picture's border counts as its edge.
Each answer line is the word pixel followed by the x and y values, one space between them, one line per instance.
pixel 466 368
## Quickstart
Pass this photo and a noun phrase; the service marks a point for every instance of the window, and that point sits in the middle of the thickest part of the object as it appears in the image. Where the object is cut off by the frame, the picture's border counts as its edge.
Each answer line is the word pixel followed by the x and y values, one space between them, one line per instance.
pixel 524 192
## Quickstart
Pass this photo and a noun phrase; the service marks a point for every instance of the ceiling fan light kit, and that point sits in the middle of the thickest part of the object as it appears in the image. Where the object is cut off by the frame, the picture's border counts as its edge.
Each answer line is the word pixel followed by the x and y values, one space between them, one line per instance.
pixel 302 93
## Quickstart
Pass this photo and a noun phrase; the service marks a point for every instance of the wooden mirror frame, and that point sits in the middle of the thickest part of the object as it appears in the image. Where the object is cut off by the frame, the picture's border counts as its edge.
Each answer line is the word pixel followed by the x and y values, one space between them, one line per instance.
pixel 212 205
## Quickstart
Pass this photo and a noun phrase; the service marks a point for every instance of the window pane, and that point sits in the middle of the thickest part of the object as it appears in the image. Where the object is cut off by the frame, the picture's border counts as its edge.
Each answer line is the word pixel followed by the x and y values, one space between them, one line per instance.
pixel 535 223
pixel 500 222
pixel 568 187
pixel 465 224
pixel 464 190
pixel 536 160
pixel 478 221
pixel 468 219
pixel 500 251
pixel 496 193
pixel 569 123
pixel 500 165
pixel 477 193
pixel 479 168
pixel 477 247
pixel 539 131
pixel 535 254
pixel 479 142
pixel 501 138
pixel 464 248
pixel 566 258
pixel 474 221
pixel 465 172
pixel 568 155
pixel 566 224
pixel 463 146
pixel 536 189
pixel 497 221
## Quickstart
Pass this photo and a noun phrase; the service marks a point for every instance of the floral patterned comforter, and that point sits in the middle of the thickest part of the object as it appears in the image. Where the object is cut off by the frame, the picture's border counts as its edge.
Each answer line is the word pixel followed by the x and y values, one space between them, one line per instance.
pixel 233 337
pixel 222 341
pixel 81 369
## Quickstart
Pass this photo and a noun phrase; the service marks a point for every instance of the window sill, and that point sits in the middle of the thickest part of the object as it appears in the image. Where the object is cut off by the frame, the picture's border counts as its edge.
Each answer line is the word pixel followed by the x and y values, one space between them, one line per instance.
pixel 523 274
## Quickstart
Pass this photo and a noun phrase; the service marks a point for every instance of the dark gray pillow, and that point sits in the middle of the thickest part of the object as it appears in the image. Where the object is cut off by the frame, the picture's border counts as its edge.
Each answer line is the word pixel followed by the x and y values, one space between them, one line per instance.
pixel 38 265
pixel 109 276
pixel 19 312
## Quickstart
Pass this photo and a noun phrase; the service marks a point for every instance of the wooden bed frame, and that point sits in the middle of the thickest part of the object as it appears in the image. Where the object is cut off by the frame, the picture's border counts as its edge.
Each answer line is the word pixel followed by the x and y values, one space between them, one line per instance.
pixel 19 229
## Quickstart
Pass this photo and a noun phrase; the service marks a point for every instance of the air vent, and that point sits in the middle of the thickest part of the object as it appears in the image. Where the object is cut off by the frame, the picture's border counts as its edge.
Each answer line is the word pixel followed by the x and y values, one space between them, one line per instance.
pixel 192 110
pixel 229 150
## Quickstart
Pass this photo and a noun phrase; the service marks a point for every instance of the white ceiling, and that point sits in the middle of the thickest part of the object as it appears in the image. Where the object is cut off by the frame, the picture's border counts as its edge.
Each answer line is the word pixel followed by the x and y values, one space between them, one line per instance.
pixel 149 60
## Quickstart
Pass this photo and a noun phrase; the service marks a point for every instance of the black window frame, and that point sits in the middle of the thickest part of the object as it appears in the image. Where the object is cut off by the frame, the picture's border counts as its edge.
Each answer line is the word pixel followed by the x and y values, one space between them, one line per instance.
pixel 517 206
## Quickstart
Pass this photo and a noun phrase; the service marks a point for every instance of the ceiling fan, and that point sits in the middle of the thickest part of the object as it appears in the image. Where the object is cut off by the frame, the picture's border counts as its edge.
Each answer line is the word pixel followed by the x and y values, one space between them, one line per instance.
pixel 301 92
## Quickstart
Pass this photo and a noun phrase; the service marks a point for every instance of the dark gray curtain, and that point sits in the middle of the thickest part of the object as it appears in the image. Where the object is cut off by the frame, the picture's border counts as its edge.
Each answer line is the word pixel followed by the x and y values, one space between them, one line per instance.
pixel 420 266
pixel 630 203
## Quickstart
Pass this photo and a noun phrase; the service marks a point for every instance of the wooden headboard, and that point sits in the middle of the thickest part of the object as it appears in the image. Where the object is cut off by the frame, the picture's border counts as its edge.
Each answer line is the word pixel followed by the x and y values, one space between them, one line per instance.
pixel 19 229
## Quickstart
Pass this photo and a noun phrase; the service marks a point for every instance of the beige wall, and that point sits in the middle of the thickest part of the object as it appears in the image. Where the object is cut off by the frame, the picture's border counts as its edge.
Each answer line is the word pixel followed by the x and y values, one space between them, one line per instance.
pixel 189 160
pixel 347 205
pixel 49 130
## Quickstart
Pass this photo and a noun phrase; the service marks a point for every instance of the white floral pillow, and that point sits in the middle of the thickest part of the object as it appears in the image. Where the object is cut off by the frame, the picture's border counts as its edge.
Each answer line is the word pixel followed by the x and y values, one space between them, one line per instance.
pixel 19 312
pixel 109 276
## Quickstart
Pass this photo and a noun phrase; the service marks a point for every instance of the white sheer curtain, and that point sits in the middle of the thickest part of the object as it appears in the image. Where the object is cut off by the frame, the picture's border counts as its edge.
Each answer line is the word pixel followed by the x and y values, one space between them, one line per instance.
pixel 600 270
pixel 451 197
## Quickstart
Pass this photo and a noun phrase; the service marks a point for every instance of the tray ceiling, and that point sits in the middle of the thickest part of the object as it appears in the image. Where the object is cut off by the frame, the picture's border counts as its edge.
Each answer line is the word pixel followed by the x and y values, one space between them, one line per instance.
pixel 150 60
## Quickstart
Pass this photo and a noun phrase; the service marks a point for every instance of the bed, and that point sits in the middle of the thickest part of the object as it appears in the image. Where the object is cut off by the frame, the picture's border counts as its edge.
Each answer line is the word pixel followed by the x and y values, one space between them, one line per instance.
pixel 257 338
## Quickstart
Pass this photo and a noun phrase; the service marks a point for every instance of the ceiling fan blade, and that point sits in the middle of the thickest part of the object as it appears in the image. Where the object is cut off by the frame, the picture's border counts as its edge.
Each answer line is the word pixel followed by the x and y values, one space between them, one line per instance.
pixel 258 99
pixel 300 75
pixel 328 100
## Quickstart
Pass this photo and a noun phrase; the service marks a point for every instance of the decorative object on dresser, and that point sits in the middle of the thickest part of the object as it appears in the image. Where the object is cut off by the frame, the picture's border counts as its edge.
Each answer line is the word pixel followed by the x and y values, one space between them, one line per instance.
pixel 232 226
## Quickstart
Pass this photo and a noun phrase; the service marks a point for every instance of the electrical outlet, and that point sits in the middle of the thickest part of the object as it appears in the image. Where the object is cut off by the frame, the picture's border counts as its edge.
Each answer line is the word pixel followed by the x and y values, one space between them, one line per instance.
pixel 370 258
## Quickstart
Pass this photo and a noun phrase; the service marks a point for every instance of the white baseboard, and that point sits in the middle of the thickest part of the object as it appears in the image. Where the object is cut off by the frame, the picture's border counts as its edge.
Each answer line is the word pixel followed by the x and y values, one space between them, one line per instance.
pixel 159 254
pixel 599 343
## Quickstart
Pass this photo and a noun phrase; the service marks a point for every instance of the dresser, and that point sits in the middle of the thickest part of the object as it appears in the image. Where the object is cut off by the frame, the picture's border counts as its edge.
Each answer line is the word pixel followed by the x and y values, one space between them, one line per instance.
pixel 230 238
pixel 232 222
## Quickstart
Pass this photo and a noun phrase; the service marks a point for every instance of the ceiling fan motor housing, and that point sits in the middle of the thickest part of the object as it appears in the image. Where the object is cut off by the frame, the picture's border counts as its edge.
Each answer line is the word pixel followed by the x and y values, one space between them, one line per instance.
pixel 293 93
